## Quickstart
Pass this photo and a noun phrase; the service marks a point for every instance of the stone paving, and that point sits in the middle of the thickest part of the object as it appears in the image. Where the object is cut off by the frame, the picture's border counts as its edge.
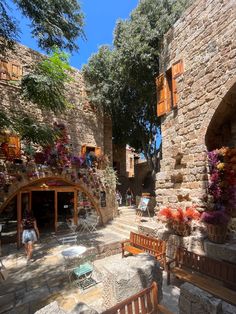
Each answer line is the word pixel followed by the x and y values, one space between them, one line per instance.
pixel 31 287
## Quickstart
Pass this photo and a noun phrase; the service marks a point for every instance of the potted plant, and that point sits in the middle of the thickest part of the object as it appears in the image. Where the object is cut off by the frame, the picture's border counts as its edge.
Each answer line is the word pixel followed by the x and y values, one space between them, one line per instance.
pixel 221 193
pixel 179 220
pixel 216 222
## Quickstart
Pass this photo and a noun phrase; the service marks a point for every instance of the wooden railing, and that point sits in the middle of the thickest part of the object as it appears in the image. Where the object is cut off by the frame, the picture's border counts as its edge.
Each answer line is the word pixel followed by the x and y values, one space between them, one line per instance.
pixel 144 302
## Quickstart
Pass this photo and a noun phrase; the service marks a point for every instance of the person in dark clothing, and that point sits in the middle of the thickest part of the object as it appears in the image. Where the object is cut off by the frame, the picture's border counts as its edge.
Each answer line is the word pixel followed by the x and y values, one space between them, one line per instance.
pixel 129 197
pixel 30 233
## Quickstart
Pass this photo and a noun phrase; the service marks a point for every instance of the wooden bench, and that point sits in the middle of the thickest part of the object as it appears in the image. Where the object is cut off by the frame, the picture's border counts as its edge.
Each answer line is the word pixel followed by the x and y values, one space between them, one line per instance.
pixel 145 302
pixel 214 276
pixel 139 243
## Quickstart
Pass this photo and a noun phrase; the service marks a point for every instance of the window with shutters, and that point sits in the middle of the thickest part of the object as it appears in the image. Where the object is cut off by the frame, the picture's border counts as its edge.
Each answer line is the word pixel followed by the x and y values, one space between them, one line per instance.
pixel 10 146
pixel 10 70
pixel 167 92
pixel 85 149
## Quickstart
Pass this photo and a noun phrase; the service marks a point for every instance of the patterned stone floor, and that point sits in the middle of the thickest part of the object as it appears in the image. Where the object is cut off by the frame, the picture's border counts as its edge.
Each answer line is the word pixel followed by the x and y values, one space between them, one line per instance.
pixel 30 287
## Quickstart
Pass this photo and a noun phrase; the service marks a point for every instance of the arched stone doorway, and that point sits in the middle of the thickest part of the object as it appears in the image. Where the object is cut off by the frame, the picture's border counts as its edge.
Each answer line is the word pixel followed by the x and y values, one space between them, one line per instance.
pixel 222 127
pixel 53 200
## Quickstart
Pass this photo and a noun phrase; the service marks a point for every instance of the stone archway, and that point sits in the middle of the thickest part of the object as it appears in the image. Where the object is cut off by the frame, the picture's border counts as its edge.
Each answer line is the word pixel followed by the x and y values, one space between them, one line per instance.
pixel 221 130
pixel 41 184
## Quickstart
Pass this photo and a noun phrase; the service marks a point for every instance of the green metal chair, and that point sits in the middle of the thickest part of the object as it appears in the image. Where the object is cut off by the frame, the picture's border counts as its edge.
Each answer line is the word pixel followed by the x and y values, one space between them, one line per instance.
pixel 82 274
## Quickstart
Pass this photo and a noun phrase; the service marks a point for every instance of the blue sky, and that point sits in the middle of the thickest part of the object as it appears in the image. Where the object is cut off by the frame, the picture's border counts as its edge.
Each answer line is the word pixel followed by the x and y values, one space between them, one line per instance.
pixel 100 20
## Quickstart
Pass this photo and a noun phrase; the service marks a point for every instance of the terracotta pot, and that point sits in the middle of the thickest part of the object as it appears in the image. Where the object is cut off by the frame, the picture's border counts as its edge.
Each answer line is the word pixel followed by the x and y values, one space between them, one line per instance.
pixel 217 233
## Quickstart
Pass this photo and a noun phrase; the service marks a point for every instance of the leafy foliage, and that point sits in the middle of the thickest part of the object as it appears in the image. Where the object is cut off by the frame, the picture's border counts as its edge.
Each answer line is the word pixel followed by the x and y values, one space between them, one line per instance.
pixel 53 22
pixel 33 131
pixel 121 79
pixel 45 85
pixel 8 27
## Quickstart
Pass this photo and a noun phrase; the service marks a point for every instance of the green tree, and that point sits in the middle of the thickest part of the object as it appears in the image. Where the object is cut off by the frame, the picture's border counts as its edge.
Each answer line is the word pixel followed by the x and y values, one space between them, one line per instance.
pixel 121 79
pixel 53 22
pixel 45 87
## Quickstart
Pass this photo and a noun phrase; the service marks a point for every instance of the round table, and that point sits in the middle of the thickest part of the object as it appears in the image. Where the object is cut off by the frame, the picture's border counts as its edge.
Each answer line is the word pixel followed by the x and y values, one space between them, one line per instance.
pixel 72 258
pixel 74 251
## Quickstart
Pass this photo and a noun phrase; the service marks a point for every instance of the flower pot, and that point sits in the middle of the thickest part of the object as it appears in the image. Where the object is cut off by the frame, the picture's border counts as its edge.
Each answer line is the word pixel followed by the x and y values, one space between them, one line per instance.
pixel 217 233
pixel 182 230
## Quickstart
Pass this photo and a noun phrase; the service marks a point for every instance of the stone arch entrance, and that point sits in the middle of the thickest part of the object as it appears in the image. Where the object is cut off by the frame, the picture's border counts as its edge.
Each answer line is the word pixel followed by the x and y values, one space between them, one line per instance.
pixel 222 127
pixel 53 188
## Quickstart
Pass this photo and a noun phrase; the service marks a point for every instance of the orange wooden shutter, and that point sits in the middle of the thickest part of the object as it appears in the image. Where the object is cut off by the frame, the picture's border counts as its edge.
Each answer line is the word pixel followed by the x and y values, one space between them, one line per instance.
pixel 83 149
pixel 161 95
pixel 16 71
pixel 98 151
pixel 5 70
pixel 176 69
pixel 14 146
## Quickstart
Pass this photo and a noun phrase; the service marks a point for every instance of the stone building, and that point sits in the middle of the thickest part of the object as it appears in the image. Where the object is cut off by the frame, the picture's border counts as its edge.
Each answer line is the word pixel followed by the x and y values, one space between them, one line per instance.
pixel 196 98
pixel 52 192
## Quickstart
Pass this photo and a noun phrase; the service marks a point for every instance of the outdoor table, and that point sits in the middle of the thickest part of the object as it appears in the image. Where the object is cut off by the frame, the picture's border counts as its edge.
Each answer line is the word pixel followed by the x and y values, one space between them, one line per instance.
pixel 74 251
pixel 72 257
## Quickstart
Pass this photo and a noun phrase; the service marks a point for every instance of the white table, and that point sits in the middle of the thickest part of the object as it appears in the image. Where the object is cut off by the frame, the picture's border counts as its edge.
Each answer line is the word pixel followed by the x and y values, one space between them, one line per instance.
pixel 74 251
pixel 72 258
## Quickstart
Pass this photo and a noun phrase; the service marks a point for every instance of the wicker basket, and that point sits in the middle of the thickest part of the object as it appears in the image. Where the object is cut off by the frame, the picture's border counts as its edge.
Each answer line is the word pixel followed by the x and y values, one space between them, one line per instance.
pixel 217 233
pixel 183 230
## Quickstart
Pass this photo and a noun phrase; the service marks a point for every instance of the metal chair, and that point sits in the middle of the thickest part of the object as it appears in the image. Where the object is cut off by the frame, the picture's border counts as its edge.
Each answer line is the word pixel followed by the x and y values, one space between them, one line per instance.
pixel 91 223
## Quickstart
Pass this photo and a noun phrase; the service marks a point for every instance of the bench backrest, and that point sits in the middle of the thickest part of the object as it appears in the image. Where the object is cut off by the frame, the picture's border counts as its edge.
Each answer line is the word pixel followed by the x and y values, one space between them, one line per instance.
pixel 148 244
pixel 145 302
pixel 220 270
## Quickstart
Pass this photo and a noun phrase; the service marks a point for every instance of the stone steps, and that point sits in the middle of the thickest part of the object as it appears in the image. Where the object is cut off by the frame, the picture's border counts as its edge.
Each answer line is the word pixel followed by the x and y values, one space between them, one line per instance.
pixel 124 223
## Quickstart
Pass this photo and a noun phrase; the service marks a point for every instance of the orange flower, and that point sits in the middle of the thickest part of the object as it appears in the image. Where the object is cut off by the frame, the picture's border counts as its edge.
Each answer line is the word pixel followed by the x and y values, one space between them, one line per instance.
pixel 192 213
pixel 166 212
pixel 178 215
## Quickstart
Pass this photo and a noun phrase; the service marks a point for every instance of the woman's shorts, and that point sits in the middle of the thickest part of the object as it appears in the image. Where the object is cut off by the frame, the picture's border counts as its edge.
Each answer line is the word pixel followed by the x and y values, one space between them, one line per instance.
pixel 29 235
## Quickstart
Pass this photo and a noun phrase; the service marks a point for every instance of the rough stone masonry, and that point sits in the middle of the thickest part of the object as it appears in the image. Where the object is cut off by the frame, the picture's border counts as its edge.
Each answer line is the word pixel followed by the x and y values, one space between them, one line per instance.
pixel 204 38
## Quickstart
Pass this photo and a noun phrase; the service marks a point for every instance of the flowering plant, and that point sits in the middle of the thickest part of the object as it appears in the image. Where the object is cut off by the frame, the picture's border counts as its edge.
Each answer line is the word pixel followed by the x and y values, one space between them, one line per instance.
pixel 215 217
pixel 179 219
pixel 222 181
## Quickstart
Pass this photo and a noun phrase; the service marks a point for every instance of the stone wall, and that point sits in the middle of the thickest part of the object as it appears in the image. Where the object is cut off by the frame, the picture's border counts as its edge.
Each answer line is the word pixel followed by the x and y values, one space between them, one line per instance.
pixel 194 300
pixel 204 38
pixel 83 125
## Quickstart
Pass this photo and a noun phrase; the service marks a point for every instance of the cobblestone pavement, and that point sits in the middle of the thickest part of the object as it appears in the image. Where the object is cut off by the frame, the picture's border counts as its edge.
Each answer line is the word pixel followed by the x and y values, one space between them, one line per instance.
pixel 30 287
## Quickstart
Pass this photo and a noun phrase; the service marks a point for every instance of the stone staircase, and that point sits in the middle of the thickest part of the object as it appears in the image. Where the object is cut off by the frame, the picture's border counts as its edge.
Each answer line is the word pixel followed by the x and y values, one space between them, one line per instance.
pixel 124 223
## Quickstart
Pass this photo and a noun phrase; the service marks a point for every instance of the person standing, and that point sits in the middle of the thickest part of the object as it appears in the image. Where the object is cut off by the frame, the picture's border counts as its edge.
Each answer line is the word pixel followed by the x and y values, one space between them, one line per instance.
pixel 118 198
pixel 30 233
pixel 129 196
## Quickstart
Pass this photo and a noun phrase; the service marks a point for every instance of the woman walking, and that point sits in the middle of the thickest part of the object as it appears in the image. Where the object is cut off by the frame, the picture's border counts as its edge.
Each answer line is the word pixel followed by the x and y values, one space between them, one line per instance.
pixel 29 230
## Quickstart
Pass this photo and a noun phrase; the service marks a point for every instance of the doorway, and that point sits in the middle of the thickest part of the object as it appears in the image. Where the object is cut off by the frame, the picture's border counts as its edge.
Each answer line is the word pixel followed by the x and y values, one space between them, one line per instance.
pixel 43 207
pixel 65 201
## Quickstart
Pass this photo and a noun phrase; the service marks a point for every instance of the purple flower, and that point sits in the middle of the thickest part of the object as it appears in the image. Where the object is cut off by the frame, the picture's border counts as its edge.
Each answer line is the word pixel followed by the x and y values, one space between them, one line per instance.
pixel 215 217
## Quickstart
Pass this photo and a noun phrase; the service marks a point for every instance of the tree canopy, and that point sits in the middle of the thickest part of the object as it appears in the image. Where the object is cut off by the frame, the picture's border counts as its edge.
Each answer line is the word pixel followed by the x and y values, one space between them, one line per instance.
pixel 44 87
pixel 53 22
pixel 121 79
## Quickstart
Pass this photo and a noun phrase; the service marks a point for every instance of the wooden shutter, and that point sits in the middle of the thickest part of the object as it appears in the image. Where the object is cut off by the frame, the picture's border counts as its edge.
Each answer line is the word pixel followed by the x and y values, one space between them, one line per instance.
pixel 98 151
pixel 16 71
pixel 14 146
pixel 5 70
pixel 161 95
pixel 176 69
pixel 83 149
pixel 10 70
